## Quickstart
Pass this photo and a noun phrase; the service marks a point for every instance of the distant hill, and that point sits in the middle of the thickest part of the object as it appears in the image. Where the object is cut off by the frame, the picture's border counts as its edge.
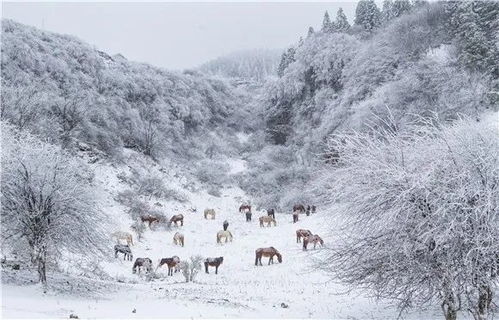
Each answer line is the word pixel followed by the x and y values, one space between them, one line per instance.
pixel 66 91
pixel 257 64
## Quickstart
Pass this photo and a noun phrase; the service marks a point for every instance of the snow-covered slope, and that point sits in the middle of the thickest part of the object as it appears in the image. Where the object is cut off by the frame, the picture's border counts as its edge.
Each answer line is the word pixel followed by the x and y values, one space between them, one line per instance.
pixel 294 288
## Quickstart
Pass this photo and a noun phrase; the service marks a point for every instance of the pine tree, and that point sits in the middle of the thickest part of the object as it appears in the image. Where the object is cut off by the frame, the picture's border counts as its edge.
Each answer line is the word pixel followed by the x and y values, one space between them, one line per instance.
pixel 341 24
pixel 327 26
pixel 282 65
pixel 310 31
pixel 287 58
pixel 400 7
pixel 367 15
pixel 387 11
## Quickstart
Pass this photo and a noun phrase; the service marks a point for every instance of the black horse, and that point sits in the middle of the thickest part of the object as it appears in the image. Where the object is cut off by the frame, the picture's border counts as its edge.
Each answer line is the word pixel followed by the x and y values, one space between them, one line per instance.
pixel 248 216
pixel 125 249
pixel 214 262
pixel 226 225
pixel 145 263
pixel 271 213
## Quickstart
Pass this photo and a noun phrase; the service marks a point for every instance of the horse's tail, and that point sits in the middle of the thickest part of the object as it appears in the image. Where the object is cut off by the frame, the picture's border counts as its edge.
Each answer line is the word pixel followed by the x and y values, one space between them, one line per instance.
pixel 231 236
pixel 131 240
pixel 218 238
pixel 256 258
pixel 305 242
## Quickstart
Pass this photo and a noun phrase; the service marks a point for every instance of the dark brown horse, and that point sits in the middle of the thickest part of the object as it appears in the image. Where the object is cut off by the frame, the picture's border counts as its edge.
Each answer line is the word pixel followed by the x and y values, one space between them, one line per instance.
pixel 140 263
pixel 312 239
pixel 213 262
pixel 125 249
pixel 299 207
pixel 244 208
pixel 314 209
pixel 171 263
pixel 149 219
pixel 296 214
pixel 267 252
pixel 302 233
pixel 271 213
pixel 177 218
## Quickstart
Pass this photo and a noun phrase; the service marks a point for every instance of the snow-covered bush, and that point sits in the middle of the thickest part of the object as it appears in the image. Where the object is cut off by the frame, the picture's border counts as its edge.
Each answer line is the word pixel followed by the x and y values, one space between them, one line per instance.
pixel 420 213
pixel 47 205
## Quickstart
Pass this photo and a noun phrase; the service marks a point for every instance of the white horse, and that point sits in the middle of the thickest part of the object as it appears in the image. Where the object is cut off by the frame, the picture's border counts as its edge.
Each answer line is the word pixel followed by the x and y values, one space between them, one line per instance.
pixel 224 234
pixel 121 235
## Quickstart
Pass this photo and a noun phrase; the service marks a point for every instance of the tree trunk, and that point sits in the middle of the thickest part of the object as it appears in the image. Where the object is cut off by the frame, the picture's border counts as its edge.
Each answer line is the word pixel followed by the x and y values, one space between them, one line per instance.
pixel 484 301
pixel 42 270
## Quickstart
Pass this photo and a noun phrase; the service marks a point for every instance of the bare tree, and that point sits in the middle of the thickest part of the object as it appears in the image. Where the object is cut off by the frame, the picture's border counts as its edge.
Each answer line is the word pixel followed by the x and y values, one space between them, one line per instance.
pixel 419 212
pixel 47 201
pixel 21 105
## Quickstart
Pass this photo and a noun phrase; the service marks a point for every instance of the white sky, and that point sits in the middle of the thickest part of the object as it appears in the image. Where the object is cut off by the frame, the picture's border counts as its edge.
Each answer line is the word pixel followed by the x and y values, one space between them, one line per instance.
pixel 177 35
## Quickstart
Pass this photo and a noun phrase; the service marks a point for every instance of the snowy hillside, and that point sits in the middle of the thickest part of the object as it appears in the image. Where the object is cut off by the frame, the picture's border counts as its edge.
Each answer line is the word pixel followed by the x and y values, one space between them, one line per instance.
pixel 294 288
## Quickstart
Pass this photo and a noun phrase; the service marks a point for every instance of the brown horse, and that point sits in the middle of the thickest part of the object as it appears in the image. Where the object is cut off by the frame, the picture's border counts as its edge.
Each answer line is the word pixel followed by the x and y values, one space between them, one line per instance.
pixel 140 263
pixel 312 239
pixel 149 219
pixel 177 218
pixel 171 263
pixel 214 262
pixel 244 208
pixel 209 212
pixel 296 214
pixel 267 252
pixel 267 219
pixel 178 239
pixel 302 233
pixel 299 207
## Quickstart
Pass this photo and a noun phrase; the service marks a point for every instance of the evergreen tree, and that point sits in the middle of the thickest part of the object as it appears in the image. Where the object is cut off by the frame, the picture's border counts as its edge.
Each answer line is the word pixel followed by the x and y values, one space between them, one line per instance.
pixel 310 31
pixel 327 26
pixel 400 7
pixel 367 15
pixel 387 11
pixel 282 65
pixel 287 58
pixel 341 24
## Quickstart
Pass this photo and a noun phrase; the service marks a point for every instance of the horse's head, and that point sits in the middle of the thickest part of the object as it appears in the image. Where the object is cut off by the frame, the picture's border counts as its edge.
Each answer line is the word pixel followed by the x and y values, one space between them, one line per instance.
pixel 220 259
pixel 279 257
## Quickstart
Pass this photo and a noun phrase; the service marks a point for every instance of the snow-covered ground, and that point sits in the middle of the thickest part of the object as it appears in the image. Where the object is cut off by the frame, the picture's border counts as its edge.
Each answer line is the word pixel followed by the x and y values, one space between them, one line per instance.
pixel 294 288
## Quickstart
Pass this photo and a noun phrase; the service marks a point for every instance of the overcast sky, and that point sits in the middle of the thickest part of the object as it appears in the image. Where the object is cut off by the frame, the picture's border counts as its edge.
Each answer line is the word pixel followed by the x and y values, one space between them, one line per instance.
pixel 177 35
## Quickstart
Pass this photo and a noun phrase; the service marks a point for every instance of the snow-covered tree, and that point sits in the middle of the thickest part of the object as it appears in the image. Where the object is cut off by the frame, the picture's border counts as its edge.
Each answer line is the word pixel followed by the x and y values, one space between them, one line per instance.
pixel 341 24
pixel 327 25
pixel 367 15
pixel 387 11
pixel 310 31
pixel 47 201
pixel 419 209
pixel 400 7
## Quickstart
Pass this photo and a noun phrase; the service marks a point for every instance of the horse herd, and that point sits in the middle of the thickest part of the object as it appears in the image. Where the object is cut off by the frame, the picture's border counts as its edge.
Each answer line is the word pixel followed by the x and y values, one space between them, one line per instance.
pixel 173 263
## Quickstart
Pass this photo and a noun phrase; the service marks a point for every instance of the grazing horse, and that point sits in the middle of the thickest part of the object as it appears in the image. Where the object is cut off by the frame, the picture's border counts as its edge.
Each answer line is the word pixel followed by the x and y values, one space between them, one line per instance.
pixel 125 249
pixel 295 216
pixel 209 212
pixel 244 208
pixel 226 225
pixel 267 219
pixel 308 211
pixel 312 239
pixel 267 252
pixel 224 234
pixel 177 218
pixel 120 235
pixel 214 262
pixel 145 263
pixel 271 213
pixel 149 219
pixel 302 233
pixel 178 239
pixel 299 207
pixel 171 263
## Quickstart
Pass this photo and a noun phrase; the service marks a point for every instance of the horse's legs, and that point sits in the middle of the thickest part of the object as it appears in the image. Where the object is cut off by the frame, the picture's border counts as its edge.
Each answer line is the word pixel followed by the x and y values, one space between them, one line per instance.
pixel 256 260
pixel 182 222
pixel 206 267
pixel 216 269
